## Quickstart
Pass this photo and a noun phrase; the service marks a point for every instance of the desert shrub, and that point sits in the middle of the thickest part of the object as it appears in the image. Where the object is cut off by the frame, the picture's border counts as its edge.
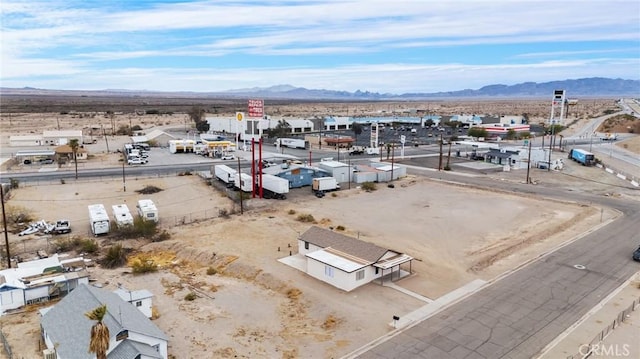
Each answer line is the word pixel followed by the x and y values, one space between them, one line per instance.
pixel 294 293
pixel 333 194
pixel 14 183
pixel 292 211
pixel 140 228
pixel 136 128
pixel 89 246
pixel 18 214
pixel 62 181
pixel 116 256
pixel 447 168
pixel 68 244
pixel 369 186
pixel 340 228
pixel 149 190
pixel 142 266
pixel 185 173
pixel 223 213
pixel 212 271
pixel 191 296
pixel 306 218
pixel 162 236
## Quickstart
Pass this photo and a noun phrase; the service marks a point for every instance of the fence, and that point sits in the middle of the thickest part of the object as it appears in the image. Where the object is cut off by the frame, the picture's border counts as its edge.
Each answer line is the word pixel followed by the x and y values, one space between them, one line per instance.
pixel 6 346
pixel 587 351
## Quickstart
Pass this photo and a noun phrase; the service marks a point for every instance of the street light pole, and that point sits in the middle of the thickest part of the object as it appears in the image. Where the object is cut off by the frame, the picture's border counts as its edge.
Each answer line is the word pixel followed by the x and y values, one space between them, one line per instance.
pixel 4 221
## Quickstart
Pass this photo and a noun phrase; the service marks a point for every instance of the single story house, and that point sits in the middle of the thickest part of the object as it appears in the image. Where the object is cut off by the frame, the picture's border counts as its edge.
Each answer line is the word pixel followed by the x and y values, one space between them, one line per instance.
pixel 141 299
pixel 57 138
pixel 39 281
pixel 159 138
pixel 66 152
pixel 25 140
pixel 66 330
pixel 345 262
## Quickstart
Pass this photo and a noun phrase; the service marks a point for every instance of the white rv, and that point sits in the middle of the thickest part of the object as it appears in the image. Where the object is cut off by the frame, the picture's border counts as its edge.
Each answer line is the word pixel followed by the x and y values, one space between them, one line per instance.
pixel 121 215
pixel 98 219
pixel 147 210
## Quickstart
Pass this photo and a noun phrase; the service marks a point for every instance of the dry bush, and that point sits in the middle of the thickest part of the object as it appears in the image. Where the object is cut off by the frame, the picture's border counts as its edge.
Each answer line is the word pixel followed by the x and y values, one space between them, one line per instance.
pixel 17 215
pixel 294 293
pixel 340 228
pixel 330 322
pixel 191 296
pixel 292 211
pixel 306 218
pixel 149 190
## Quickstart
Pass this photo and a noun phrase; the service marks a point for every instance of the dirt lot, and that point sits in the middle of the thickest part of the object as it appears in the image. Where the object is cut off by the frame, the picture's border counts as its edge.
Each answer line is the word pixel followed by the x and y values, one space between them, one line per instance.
pixel 256 306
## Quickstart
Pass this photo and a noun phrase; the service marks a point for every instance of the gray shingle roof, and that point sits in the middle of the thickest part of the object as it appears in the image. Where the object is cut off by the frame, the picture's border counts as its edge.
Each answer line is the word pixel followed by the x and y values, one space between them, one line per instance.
pixel 326 238
pixel 66 324
pixel 130 349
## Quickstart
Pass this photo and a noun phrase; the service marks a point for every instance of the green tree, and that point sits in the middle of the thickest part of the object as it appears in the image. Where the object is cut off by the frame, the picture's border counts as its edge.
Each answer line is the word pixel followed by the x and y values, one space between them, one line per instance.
pixel 478 132
pixel 511 134
pixel 74 144
pixel 202 126
pixel 99 341
pixel 283 128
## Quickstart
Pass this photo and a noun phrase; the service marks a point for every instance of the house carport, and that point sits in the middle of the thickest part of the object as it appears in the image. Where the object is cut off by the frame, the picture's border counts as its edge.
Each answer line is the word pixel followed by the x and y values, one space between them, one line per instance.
pixel 391 263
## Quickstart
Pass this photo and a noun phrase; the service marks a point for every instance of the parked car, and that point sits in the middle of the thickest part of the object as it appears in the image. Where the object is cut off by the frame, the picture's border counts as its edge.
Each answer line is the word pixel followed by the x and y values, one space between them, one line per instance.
pixel 136 161
pixel 356 152
pixel 46 161
pixel 228 157
pixel 636 255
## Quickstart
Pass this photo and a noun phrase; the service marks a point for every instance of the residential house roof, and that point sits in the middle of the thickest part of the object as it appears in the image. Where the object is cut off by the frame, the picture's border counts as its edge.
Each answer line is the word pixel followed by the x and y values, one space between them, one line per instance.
pixel 325 238
pixel 64 133
pixel 67 149
pixel 67 325
pixel 131 349
pixel 157 133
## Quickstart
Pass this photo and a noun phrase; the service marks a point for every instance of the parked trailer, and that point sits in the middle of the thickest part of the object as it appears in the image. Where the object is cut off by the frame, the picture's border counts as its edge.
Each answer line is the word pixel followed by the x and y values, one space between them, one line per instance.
pixel 290 142
pixel 274 186
pixel 121 215
pixel 225 174
pixel 98 219
pixel 324 184
pixel 372 150
pixel 242 181
pixel 583 157
pixel 147 210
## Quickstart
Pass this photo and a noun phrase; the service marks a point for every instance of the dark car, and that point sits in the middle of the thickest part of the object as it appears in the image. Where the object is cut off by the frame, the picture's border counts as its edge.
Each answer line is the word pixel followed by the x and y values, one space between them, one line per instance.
pixel 356 152
pixel 636 255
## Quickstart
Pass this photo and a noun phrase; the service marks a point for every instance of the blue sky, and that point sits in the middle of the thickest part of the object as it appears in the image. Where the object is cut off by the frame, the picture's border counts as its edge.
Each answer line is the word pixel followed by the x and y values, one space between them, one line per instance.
pixel 379 46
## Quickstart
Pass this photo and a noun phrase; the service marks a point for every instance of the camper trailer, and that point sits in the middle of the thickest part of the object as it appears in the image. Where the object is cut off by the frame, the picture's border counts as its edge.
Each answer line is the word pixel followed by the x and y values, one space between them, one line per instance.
pixel 121 215
pixel 98 219
pixel 147 210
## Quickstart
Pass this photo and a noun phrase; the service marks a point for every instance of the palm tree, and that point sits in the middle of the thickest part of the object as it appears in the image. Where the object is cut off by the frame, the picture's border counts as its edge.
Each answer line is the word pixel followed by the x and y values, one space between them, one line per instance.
pixel 282 128
pixel 99 342
pixel 74 149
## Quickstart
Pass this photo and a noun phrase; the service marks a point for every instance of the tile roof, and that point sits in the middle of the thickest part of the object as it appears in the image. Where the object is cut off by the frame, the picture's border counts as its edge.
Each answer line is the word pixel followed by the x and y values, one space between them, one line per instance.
pixel 326 238
pixel 66 324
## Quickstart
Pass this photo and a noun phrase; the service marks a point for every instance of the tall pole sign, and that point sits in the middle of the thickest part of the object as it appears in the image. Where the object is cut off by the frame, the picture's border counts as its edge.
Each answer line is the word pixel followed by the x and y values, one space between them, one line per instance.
pixel 239 119
pixel 256 110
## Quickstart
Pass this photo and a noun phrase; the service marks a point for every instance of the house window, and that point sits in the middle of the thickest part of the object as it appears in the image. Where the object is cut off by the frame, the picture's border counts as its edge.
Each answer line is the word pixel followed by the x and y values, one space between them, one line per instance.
pixel 377 270
pixel 306 245
pixel 360 274
pixel 328 271
pixel 139 303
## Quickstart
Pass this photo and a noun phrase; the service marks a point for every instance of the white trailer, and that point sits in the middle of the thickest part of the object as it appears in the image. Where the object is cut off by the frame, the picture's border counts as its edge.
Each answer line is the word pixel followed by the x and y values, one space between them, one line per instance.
pixel 324 184
pixel 243 182
pixel 274 186
pixel 225 173
pixel 121 215
pixel 290 142
pixel 147 210
pixel 373 150
pixel 98 219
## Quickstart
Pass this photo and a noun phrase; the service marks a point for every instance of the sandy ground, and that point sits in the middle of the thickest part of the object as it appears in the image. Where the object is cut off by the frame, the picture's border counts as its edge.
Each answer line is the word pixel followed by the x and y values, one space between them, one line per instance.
pixel 256 306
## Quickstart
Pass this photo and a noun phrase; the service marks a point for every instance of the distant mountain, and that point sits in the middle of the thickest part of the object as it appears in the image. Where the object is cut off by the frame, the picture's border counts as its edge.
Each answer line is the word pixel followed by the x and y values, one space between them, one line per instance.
pixel 587 87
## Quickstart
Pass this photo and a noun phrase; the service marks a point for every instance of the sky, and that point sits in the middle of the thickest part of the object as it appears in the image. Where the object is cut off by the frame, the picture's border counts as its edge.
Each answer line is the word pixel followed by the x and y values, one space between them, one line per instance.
pixel 388 46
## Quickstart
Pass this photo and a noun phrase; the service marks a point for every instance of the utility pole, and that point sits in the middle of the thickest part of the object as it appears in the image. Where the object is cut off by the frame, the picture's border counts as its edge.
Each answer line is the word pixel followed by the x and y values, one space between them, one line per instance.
pixel 124 183
pixel 440 157
pixel 529 162
pixel 240 191
pixel 553 127
pixel 4 221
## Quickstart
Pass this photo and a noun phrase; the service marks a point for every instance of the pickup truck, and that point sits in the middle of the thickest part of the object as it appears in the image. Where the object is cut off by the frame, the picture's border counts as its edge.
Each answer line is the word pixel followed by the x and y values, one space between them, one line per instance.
pixel 62 226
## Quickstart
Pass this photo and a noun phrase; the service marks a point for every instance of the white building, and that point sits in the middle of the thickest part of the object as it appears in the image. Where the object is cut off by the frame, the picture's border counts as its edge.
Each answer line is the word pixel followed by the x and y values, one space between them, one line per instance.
pixel 65 329
pixel 338 170
pixel 57 138
pixel 25 140
pixel 141 299
pixel 345 262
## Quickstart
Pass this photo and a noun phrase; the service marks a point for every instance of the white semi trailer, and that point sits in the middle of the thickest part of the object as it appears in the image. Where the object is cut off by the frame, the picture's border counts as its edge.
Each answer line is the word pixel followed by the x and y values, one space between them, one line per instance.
pixel 225 174
pixel 98 219
pixel 243 182
pixel 121 215
pixel 274 186
pixel 291 143
pixel 324 184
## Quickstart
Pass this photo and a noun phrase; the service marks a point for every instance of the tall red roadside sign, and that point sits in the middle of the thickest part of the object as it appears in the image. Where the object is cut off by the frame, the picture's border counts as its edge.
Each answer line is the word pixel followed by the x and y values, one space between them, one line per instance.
pixel 256 108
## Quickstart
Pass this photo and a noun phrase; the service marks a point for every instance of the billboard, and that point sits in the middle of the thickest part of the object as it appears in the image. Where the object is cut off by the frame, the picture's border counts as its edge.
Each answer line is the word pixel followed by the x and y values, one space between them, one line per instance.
pixel 256 108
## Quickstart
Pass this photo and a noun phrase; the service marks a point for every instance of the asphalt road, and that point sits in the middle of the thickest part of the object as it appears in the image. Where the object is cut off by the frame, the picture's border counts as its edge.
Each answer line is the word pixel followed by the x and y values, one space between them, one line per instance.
pixel 518 315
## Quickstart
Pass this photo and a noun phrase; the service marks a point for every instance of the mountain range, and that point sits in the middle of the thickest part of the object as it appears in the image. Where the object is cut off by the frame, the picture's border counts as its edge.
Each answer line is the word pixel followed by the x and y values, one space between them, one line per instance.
pixel 586 87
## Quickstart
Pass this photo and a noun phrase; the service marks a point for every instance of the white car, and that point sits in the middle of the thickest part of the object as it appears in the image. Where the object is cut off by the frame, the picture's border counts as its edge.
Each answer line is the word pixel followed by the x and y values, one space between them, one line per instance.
pixel 228 157
pixel 136 161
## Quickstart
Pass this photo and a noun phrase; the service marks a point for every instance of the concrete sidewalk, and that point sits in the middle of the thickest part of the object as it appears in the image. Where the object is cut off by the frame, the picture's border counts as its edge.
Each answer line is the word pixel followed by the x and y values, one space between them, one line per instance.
pixel 622 342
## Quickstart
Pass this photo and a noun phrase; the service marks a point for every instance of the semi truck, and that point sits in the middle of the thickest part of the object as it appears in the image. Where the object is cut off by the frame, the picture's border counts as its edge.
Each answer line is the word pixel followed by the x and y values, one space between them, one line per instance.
pixel 324 184
pixel 243 182
pixel 147 210
pixel 583 157
pixel 225 174
pixel 98 219
pixel 290 142
pixel 274 186
pixel 121 215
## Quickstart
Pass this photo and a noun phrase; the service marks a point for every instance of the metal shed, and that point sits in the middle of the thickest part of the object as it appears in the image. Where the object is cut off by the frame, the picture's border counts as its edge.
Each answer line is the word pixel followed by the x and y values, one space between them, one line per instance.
pixel 338 170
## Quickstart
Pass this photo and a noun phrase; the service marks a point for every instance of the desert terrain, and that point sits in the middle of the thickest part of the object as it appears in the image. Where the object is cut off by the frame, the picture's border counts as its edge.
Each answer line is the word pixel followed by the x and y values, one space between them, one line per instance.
pixel 254 305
